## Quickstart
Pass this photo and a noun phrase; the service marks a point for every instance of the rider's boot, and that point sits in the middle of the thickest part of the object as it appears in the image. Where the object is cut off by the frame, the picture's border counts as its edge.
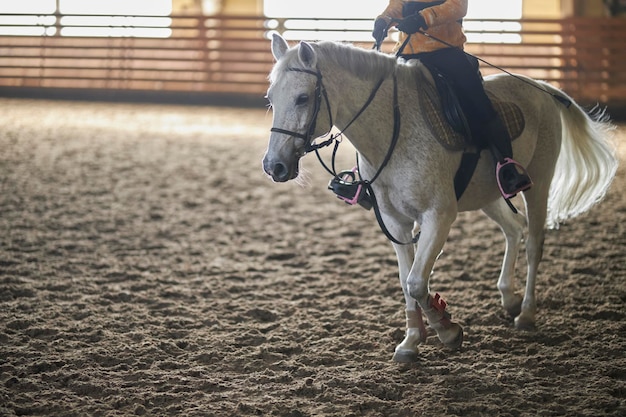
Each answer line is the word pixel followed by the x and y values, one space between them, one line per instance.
pixel 511 176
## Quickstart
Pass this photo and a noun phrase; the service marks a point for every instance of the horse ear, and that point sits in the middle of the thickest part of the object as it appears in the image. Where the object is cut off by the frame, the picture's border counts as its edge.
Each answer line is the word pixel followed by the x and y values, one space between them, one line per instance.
pixel 279 46
pixel 307 55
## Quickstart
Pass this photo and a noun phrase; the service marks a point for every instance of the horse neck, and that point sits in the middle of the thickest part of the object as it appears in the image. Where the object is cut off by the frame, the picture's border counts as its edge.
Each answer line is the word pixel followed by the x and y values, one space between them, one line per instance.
pixel 370 133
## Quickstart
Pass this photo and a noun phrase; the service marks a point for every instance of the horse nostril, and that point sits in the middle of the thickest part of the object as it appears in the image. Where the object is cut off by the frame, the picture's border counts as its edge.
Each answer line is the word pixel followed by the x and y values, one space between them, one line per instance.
pixel 280 171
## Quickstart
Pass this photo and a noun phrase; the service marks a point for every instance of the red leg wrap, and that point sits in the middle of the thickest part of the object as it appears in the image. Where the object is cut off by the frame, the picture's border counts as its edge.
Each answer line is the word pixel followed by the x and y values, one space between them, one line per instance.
pixel 438 304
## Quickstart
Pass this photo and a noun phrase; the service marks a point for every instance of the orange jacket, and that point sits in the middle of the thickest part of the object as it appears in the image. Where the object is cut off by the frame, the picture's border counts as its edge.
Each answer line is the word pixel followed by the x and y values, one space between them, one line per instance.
pixel 443 22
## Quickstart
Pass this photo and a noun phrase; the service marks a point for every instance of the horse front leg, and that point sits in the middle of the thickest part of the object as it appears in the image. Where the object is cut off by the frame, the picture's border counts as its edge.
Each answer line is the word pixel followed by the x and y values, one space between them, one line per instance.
pixel 434 231
pixel 406 352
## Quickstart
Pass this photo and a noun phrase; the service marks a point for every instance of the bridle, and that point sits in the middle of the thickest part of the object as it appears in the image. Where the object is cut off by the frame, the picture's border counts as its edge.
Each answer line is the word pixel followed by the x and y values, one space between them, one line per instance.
pixel 320 92
pixel 309 146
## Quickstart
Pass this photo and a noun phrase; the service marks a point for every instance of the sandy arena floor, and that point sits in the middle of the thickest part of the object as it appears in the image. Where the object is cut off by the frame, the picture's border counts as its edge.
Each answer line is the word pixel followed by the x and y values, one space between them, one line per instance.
pixel 148 267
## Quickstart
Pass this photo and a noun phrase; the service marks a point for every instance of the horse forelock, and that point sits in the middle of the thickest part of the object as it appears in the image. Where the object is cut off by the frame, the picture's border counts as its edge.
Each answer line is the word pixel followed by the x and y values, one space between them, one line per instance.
pixel 278 68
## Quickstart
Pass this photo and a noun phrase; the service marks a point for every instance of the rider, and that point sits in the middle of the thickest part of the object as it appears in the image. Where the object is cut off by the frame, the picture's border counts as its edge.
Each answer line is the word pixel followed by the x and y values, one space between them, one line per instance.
pixel 443 20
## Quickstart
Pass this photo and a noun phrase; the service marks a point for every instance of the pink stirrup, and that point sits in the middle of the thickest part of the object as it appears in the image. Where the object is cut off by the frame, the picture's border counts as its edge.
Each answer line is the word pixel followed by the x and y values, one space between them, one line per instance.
pixel 518 187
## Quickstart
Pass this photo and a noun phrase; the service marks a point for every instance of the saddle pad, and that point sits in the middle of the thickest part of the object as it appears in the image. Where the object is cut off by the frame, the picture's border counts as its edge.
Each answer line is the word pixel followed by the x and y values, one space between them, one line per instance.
pixel 430 104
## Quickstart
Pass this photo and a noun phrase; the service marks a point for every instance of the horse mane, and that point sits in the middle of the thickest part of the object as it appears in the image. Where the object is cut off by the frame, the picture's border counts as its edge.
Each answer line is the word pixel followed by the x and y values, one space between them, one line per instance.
pixel 363 63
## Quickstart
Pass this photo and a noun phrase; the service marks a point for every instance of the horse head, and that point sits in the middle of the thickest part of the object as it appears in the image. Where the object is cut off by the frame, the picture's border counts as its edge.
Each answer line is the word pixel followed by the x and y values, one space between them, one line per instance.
pixel 295 95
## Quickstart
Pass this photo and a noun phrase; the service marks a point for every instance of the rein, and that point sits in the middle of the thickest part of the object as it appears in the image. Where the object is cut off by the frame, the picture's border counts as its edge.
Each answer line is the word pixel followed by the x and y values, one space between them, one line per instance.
pixel 363 187
pixel 367 184
pixel 563 100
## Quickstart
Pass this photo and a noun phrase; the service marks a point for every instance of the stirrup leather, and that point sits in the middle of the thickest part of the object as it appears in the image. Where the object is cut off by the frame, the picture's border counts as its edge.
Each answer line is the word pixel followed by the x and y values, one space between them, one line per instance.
pixel 509 187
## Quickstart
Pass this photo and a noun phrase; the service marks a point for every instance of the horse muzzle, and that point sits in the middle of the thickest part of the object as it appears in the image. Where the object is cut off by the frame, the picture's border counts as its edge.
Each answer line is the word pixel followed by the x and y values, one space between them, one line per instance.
pixel 280 171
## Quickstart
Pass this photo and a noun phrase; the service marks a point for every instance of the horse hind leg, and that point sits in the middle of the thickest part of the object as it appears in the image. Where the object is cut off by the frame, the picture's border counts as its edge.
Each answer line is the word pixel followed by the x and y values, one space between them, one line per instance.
pixel 512 226
pixel 536 208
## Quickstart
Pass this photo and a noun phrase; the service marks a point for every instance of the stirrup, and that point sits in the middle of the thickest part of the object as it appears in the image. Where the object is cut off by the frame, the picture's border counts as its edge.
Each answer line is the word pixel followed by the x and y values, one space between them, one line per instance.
pixel 509 187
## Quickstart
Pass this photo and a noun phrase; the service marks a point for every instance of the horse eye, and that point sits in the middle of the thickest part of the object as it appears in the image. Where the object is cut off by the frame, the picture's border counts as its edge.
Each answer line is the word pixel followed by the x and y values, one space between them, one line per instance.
pixel 302 99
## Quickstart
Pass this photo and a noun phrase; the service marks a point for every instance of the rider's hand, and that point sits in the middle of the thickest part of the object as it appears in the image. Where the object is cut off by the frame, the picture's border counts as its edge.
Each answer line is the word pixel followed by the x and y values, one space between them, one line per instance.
pixel 380 30
pixel 412 24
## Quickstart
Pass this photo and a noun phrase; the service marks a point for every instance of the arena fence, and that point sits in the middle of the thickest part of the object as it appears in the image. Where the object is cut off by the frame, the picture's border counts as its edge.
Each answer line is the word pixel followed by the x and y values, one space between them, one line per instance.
pixel 229 55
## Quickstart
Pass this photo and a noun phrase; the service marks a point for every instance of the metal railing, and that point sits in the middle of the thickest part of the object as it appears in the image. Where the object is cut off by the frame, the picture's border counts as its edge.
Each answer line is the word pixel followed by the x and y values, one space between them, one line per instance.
pixel 231 55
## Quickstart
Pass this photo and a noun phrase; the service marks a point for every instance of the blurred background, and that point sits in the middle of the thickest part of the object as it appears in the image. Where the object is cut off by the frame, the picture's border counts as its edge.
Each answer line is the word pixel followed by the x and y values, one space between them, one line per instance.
pixel 217 51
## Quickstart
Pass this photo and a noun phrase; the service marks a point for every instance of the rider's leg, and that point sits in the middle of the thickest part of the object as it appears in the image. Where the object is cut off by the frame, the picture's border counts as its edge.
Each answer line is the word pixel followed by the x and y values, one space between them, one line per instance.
pixel 485 124
pixel 512 178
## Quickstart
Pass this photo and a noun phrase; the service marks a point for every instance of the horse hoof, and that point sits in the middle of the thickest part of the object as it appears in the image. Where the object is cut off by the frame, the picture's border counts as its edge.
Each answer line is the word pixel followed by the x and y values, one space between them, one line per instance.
pixel 405 356
pixel 513 305
pixel 514 308
pixel 454 342
pixel 524 324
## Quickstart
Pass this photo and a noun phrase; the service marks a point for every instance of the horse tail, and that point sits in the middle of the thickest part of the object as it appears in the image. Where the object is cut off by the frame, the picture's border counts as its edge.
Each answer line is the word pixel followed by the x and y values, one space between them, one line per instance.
pixel 586 164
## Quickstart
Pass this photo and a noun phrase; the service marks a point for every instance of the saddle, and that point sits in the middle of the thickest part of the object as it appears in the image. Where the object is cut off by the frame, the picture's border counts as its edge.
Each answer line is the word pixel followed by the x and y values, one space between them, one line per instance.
pixel 446 120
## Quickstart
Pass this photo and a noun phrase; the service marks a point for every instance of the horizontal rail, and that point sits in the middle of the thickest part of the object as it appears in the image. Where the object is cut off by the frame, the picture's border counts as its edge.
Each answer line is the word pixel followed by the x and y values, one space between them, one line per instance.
pixel 231 54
